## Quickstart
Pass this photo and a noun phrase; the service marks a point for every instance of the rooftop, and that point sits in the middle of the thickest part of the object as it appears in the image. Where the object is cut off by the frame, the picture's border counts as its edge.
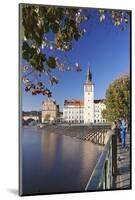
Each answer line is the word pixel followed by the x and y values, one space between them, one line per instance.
pixel 75 102
pixel 99 100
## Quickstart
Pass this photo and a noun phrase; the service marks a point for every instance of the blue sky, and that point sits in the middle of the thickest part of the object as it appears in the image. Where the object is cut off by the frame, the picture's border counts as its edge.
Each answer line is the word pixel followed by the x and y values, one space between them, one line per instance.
pixel 105 48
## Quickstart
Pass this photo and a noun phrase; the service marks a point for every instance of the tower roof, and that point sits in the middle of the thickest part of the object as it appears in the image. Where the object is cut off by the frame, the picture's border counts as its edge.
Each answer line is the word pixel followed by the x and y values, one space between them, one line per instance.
pixel 88 76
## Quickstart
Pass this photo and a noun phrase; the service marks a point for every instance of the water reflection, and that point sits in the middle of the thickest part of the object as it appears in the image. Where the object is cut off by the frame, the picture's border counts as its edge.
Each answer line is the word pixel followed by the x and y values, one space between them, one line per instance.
pixel 48 149
pixel 56 163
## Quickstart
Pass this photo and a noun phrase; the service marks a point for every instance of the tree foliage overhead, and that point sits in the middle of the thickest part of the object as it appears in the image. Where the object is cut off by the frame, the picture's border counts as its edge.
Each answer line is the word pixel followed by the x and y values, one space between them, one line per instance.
pixel 118 99
pixel 48 29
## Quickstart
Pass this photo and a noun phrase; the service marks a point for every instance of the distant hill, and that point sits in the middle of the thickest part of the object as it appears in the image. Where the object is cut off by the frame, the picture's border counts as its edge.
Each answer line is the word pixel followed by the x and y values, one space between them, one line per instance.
pixel 27 113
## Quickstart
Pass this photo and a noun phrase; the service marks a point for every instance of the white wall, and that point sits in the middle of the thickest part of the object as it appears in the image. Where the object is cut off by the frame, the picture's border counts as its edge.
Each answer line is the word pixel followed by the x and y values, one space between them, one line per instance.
pixel 73 114
pixel 88 103
pixel 98 108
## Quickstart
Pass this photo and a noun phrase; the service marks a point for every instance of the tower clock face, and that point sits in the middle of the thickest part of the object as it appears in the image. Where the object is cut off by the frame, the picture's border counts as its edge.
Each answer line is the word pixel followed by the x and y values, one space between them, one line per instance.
pixel 88 88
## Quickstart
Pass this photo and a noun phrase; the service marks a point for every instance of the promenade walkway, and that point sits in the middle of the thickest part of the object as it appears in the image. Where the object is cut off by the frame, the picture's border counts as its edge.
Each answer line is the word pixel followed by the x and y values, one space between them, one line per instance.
pixel 123 165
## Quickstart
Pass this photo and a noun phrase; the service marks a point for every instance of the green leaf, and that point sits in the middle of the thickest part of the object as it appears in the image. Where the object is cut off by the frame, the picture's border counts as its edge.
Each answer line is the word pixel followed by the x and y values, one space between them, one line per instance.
pixel 55 27
pixel 51 62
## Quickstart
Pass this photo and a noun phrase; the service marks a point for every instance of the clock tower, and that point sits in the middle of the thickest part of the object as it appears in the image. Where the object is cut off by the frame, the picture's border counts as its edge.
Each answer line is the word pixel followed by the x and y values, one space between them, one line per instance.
pixel 88 98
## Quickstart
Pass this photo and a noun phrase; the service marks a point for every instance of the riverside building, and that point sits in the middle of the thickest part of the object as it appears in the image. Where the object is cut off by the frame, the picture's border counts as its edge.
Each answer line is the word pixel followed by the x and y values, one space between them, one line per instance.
pixel 85 111
pixel 50 110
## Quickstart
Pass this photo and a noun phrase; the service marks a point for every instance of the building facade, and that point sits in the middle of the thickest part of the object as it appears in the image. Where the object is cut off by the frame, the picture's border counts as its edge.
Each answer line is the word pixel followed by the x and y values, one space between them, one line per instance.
pixel 99 106
pixel 84 111
pixel 50 110
pixel 73 111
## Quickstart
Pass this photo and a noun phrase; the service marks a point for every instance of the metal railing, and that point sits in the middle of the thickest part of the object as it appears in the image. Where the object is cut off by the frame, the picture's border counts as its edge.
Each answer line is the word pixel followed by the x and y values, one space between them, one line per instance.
pixel 104 173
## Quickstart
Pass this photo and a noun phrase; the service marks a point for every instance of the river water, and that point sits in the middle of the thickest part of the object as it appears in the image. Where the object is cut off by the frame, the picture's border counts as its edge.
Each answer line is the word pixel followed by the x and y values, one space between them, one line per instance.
pixel 54 163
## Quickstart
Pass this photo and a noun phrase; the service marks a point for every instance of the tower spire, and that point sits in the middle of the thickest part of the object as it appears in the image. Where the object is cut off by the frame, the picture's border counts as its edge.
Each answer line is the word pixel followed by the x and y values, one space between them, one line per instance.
pixel 88 75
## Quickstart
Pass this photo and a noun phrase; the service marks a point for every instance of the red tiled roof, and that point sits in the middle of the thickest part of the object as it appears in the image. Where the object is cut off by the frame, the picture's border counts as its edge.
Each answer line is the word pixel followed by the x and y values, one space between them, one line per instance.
pixel 73 103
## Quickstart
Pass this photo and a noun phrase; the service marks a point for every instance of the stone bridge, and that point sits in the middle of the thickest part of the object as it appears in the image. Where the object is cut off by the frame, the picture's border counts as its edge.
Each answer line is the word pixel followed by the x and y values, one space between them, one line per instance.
pixel 34 117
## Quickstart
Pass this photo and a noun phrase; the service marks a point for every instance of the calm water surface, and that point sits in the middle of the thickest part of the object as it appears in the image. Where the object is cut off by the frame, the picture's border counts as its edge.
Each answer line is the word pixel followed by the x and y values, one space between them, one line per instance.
pixel 55 163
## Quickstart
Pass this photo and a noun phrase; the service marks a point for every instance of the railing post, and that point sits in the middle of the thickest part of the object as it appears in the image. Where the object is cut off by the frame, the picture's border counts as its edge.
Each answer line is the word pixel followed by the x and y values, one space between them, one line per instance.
pixel 109 168
pixel 110 164
pixel 106 167
pixel 114 156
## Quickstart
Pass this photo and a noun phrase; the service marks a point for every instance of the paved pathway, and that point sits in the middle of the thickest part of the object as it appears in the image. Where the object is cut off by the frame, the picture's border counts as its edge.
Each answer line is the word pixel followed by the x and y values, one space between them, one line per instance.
pixel 123 164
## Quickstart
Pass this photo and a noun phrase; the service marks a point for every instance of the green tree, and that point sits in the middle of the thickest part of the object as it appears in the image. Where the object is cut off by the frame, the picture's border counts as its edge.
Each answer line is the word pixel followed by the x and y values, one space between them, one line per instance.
pixel 50 29
pixel 118 99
